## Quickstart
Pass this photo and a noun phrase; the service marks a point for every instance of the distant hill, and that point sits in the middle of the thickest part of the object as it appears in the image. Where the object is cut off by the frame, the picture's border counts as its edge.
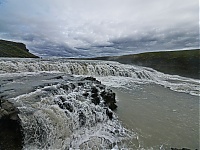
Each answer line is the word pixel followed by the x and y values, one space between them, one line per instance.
pixel 185 62
pixel 14 49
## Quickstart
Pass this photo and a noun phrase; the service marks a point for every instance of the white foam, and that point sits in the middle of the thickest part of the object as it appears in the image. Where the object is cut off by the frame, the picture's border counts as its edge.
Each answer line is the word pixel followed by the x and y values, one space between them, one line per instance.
pixel 59 128
pixel 47 126
pixel 117 74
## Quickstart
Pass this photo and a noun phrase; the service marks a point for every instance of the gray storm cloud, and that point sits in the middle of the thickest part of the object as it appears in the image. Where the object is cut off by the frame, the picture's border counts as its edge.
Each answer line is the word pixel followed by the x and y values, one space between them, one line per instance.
pixel 75 28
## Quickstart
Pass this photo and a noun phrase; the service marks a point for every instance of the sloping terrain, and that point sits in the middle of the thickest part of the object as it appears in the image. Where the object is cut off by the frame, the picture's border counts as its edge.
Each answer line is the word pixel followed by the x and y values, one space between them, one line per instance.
pixel 13 49
pixel 184 63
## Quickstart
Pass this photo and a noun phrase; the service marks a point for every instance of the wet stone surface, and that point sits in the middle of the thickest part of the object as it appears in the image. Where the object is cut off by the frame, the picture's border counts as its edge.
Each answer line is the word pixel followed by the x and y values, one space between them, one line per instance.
pixel 11 136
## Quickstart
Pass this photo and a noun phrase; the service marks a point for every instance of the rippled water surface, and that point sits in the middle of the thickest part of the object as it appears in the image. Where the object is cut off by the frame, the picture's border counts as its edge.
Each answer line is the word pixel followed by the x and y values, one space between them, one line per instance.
pixel 161 117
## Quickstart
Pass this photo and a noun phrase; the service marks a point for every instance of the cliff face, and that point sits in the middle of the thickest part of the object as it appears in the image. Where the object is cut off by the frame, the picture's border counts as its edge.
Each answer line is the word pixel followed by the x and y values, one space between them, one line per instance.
pixel 14 49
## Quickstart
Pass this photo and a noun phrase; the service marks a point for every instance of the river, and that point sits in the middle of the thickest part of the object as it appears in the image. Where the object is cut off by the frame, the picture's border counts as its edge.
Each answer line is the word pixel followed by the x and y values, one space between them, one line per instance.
pixel 155 110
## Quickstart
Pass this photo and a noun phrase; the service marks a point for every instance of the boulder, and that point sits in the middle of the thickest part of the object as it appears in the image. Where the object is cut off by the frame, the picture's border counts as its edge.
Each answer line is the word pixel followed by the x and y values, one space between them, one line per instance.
pixel 8 110
pixel 11 136
pixel 109 99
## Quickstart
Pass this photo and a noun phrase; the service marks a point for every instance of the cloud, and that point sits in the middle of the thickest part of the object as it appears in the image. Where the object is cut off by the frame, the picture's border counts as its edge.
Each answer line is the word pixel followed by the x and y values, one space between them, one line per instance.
pixel 75 28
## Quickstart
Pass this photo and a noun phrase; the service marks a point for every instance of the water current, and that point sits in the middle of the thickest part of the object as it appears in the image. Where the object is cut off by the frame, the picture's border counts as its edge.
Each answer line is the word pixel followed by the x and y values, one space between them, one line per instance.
pixel 155 110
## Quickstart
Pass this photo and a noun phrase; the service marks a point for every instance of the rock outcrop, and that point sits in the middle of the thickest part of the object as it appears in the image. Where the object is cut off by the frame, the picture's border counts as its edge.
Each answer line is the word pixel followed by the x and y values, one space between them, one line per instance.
pixel 84 100
pixel 11 136
pixel 93 91
pixel 100 91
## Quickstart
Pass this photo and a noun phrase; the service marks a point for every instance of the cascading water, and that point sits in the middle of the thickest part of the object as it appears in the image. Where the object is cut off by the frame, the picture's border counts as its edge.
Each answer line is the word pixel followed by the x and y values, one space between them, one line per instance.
pixel 102 69
pixel 64 118
pixel 60 111
pixel 66 112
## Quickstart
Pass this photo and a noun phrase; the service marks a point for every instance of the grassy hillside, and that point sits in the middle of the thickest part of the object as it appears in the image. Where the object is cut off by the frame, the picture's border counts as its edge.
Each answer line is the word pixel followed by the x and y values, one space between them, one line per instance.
pixel 13 49
pixel 184 63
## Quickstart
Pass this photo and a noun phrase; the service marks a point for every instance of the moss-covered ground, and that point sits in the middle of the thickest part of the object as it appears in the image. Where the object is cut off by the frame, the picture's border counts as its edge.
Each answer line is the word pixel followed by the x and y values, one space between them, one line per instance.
pixel 13 49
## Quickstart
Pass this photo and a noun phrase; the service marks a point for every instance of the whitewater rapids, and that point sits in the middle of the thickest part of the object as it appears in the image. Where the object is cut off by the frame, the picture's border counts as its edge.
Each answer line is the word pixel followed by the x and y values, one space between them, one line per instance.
pixel 36 85
pixel 110 70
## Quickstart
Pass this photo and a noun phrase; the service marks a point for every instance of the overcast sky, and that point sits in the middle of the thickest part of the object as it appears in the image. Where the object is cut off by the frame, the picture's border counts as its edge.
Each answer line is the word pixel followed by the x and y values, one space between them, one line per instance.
pixel 87 28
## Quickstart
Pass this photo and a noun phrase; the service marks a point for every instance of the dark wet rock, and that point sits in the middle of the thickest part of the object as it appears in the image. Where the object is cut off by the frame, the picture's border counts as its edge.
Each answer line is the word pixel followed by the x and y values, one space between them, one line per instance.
pixel 85 94
pixel 63 104
pixel 80 84
pixel 99 90
pixel 68 106
pixel 9 80
pixel 101 86
pixel 65 87
pixel 109 99
pixel 90 78
pixel 11 136
pixel 109 114
pixel 95 99
pixel 180 149
pixel 82 119
pixel 9 90
pixel 95 96
pixel 94 90
pixel 8 110
pixel 58 77
pixel 62 99
pixel 112 106
pixel 60 105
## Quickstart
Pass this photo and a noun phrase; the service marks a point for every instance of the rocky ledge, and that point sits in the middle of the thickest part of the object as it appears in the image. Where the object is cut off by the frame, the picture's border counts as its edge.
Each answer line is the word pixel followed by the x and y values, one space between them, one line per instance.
pixel 90 89
pixel 10 128
pixel 86 89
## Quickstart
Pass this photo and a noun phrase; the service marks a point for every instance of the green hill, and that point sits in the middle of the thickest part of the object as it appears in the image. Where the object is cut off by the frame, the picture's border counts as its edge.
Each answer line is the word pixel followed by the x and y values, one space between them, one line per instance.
pixel 14 49
pixel 185 62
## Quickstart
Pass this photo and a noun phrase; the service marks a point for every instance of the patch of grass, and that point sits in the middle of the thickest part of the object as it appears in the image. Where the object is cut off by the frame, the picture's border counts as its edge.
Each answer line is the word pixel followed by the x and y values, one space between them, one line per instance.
pixel 13 49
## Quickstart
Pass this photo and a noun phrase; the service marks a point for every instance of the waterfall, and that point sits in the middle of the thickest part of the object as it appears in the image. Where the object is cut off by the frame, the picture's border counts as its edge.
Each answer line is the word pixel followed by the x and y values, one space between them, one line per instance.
pixel 73 112
pixel 101 69
pixel 95 68
pixel 61 108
